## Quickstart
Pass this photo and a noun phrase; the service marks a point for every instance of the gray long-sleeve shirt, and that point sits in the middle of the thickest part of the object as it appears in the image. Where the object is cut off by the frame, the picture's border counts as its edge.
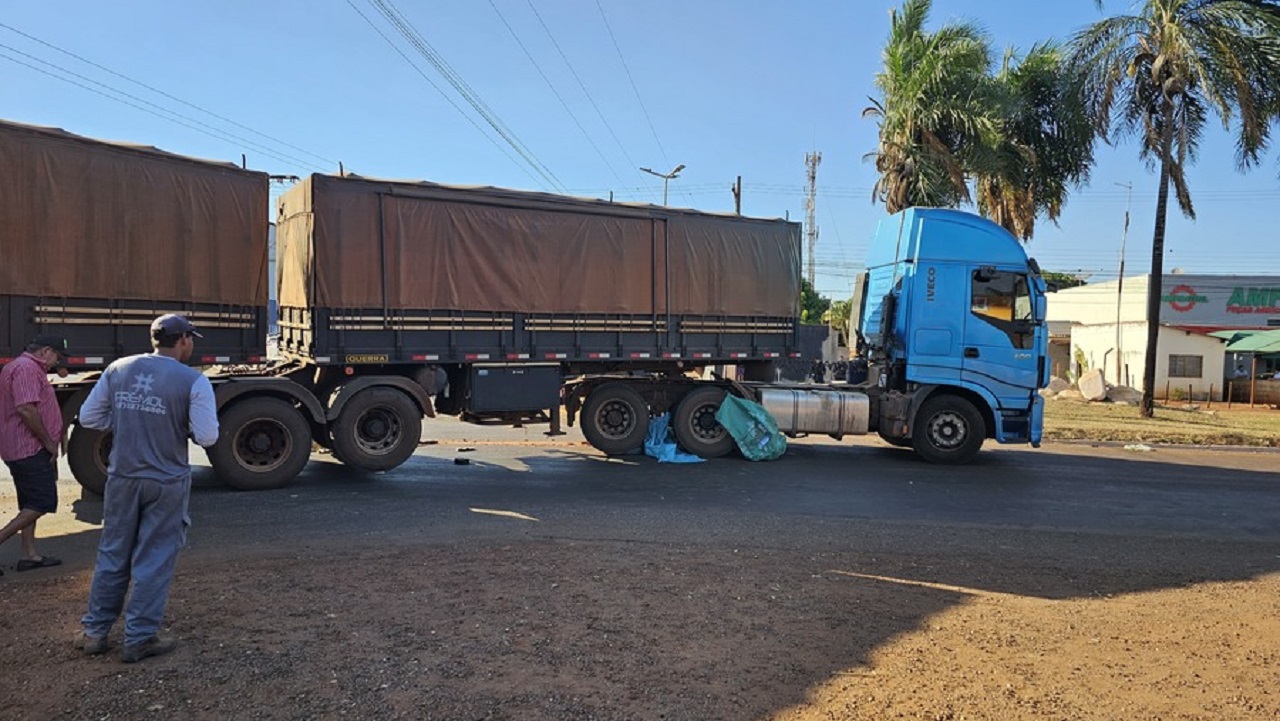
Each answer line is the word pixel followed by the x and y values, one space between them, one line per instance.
pixel 152 403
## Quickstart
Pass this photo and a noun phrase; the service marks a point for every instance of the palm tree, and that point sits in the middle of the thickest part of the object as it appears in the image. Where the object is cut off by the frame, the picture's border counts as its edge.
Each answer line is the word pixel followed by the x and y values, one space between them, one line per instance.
pixel 1158 75
pixel 1045 143
pixel 838 316
pixel 934 111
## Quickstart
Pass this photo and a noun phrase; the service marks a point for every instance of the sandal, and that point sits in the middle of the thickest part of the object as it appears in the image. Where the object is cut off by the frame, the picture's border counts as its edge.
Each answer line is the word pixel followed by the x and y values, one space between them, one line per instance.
pixel 27 564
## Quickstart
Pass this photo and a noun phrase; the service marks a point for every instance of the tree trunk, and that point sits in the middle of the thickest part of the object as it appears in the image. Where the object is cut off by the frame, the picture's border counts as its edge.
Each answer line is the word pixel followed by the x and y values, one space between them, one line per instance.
pixel 1155 287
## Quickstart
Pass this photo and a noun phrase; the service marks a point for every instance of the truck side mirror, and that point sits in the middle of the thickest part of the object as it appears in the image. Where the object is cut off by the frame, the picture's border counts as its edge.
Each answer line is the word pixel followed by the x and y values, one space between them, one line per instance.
pixel 985 274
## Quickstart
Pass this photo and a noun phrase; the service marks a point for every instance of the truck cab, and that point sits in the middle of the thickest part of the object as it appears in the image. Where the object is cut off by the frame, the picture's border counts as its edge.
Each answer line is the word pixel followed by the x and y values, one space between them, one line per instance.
pixel 955 324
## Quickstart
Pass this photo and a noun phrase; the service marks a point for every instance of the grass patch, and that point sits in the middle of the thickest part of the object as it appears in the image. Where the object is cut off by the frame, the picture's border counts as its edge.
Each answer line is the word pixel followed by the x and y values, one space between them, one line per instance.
pixel 1219 425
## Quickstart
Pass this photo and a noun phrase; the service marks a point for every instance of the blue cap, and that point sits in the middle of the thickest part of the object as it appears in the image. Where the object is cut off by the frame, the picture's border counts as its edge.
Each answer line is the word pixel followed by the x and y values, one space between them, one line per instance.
pixel 171 324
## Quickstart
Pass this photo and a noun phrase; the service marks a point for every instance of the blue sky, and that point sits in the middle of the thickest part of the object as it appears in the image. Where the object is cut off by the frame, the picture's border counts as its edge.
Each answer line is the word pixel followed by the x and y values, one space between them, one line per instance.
pixel 725 87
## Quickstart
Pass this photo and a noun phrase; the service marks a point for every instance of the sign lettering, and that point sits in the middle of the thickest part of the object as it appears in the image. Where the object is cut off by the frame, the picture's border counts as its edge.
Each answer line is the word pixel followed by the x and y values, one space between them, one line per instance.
pixel 1254 300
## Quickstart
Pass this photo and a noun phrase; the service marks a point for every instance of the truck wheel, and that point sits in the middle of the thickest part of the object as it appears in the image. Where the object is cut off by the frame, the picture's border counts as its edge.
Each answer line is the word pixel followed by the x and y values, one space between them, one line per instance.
pixel 263 444
pixel 377 430
pixel 87 454
pixel 948 429
pixel 615 419
pixel 695 424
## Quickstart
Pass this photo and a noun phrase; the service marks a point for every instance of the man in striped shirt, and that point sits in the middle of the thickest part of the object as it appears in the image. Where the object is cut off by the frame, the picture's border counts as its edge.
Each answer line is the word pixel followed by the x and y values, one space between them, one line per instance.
pixel 30 439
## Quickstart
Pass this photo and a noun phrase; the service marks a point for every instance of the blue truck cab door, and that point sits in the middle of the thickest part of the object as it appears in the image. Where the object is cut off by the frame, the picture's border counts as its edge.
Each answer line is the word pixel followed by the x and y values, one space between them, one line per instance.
pixel 999 346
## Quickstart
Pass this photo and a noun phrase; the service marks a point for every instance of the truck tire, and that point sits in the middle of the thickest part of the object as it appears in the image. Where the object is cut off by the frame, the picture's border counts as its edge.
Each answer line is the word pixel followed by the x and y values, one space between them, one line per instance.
pixel 695 425
pixel 615 419
pixel 949 430
pixel 87 454
pixel 263 443
pixel 377 430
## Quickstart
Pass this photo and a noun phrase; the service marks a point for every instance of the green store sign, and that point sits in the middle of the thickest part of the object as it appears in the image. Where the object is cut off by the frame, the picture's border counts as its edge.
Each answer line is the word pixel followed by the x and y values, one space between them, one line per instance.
pixel 1264 298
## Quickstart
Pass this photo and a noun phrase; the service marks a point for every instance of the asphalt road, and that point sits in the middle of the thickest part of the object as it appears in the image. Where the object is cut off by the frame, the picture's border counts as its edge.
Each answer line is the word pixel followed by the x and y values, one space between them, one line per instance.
pixel 1174 515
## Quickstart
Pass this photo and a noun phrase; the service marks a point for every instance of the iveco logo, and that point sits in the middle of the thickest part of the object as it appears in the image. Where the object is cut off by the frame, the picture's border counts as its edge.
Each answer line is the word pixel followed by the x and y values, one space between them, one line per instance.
pixel 931 285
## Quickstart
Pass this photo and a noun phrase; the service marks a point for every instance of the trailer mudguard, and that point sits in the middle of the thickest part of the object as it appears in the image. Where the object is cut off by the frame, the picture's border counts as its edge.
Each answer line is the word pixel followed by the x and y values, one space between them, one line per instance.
pixel 70 404
pixel 233 388
pixel 413 389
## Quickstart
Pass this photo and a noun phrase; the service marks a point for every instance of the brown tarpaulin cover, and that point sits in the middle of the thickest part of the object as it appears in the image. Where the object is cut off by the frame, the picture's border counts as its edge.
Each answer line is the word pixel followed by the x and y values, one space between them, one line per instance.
pixel 486 249
pixel 85 218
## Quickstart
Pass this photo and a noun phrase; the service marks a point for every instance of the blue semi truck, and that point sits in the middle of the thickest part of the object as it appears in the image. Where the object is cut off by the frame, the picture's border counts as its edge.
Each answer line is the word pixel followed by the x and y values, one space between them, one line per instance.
pixel 955 315
pixel 404 300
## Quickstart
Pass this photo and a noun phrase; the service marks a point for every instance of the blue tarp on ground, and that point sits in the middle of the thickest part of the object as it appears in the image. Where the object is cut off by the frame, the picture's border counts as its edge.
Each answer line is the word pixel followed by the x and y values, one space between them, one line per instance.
pixel 659 444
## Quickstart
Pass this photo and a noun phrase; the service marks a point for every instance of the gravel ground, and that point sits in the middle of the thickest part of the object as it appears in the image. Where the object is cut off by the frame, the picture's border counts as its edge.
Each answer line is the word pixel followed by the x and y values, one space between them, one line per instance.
pixel 796 618
pixel 553 629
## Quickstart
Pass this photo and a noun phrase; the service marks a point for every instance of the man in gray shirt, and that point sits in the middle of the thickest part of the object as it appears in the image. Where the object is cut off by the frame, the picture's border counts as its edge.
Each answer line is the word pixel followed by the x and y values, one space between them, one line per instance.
pixel 152 403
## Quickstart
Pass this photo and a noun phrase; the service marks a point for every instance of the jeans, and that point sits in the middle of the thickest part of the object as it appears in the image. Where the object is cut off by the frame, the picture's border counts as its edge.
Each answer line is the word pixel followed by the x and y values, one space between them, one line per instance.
pixel 144 524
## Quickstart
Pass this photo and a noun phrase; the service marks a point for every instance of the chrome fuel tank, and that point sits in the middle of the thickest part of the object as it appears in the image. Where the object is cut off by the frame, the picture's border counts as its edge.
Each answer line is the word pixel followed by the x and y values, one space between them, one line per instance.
pixel 817 411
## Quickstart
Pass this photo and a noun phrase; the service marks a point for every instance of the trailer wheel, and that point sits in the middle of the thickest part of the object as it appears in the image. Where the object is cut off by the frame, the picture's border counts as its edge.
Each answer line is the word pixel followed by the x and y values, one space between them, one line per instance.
pixel 695 424
pixel 615 419
pixel 377 430
pixel 948 429
pixel 88 452
pixel 263 444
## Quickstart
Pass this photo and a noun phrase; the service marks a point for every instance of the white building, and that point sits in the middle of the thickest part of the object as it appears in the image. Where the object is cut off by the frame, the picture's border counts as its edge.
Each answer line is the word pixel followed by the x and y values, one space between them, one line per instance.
pixel 1108 328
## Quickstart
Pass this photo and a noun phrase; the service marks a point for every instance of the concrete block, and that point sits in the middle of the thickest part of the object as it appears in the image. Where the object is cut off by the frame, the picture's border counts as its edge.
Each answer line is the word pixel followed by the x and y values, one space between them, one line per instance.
pixel 1092 385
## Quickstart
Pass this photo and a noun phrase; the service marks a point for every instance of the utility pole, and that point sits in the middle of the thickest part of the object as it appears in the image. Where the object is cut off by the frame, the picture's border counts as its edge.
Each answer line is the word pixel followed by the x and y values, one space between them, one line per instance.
pixel 811 161
pixel 737 196
pixel 1124 236
pixel 666 177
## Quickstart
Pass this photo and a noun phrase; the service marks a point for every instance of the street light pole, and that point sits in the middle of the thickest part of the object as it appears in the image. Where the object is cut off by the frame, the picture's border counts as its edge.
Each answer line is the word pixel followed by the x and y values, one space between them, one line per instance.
pixel 1120 282
pixel 666 177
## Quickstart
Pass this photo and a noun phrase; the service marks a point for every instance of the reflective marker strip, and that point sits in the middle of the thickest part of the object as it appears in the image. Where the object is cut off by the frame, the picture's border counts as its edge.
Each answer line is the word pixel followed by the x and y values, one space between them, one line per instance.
pixel 420 357
pixel 557 356
pixel 670 355
pixel 477 356
pixel 215 359
pixel 737 355
pixel 771 355
pixel 641 355
pixel 794 355
pixel 701 355
pixel 597 355
pixel 322 359
pixel 517 356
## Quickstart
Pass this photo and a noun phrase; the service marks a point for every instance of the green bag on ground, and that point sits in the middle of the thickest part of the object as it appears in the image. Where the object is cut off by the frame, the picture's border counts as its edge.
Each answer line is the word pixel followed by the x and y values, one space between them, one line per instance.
pixel 752 427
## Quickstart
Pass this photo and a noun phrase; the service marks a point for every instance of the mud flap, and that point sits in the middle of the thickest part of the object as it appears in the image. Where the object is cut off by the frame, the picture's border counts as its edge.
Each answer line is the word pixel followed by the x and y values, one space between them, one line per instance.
pixel 1036 431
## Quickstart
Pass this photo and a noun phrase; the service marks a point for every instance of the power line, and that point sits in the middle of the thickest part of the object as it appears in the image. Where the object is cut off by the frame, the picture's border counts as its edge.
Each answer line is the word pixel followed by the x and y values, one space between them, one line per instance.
pixel 551 85
pixel 415 39
pixel 445 95
pixel 630 163
pixel 632 80
pixel 165 94
pixel 154 109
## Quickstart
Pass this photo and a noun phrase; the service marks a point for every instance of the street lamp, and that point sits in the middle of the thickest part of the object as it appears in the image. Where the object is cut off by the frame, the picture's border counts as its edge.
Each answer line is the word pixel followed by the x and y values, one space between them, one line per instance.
pixel 665 178
pixel 1120 284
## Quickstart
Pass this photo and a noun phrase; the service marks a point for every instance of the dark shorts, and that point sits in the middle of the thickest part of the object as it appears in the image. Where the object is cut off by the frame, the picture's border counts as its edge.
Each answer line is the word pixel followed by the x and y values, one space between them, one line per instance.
pixel 36 479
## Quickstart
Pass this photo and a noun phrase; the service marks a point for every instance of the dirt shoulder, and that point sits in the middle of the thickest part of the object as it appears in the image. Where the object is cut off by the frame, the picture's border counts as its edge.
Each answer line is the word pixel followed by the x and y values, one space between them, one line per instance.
pixel 1200 424
pixel 600 629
